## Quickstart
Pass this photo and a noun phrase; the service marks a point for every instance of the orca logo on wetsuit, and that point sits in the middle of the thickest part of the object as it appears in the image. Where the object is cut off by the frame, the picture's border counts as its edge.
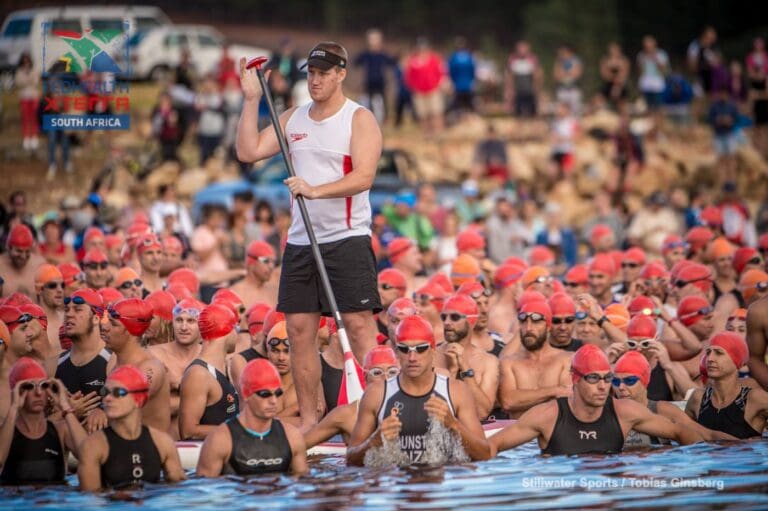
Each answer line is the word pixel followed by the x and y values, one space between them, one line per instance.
pixel 587 435
pixel 266 462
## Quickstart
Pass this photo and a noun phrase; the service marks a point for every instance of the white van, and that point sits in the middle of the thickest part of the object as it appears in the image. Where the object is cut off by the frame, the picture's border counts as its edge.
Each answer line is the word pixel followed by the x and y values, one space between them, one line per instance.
pixel 22 31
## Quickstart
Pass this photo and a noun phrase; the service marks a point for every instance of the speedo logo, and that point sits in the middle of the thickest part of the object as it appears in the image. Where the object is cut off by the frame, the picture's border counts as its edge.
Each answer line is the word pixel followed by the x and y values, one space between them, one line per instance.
pixel 94 383
pixel 267 462
pixel 295 137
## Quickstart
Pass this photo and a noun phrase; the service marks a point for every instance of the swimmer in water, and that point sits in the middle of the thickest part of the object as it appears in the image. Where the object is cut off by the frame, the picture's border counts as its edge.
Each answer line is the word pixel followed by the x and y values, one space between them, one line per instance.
pixel 399 408
pixel 590 421
pixel 256 441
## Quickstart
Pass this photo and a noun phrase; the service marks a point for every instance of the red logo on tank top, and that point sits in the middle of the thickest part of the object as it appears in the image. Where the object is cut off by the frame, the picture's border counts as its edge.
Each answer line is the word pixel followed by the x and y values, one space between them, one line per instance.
pixel 295 137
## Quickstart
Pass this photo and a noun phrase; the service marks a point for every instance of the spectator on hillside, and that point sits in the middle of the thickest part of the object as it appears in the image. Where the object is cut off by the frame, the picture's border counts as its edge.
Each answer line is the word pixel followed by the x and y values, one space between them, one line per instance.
pixel 723 118
pixel 167 204
pixel 757 74
pixel 677 99
pixel 567 72
pixel 424 73
pixel 702 57
pixel 375 61
pixel 285 62
pixel 653 66
pixel 614 72
pixel 212 121
pixel 27 81
pixel 522 81
pixel 461 69
pixel 490 159
pixel 166 127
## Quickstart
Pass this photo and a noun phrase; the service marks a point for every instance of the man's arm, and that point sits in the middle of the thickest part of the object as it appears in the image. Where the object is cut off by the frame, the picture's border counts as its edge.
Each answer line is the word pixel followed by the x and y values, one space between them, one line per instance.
pixel 643 420
pixel 169 456
pixel 214 453
pixel 93 454
pixel 193 397
pixel 298 449
pixel 339 420
pixel 678 416
pixel 365 434
pixel 468 425
pixel 757 321
pixel 524 430
pixel 156 375
pixel 516 400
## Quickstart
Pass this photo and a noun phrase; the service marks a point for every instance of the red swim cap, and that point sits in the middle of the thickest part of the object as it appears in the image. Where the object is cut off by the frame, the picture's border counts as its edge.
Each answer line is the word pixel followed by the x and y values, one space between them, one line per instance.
pixel 469 239
pixel 91 297
pixel 540 307
pixel 36 312
pixel 16 299
pixel 397 248
pixel 186 278
pixel 530 296
pixel 435 292
pixel 507 275
pixel 113 241
pixel 579 274
pixel 260 248
pixel 180 292
pixel 692 308
pixel 671 242
pixel 216 321
pixel 641 327
pixel 70 272
pixel 92 233
pixel 712 216
pixel 541 255
pixel 402 307
pixel 94 255
pixel 188 306
pixel 131 378
pixel 10 315
pixel 258 374
pixel 696 274
pixel 134 313
pixel 162 303
pixel 642 305
pixel 110 295
pixel 442 280
pixel 634 255
pixel 5 334
pixel 588 359
pixel 742 256
pixel 471 289
pixel 415 328
pixel 598 232
pixel 734 345
pixel 603 263
pixel 654 271
pixel 148 242
pixel 272 318
pixel 255 317
pixel 25 368
pixel 230 299
pixel 634 363
pixel 380 356
pixel 172 245
pixel 20 237
pixel 394 278
pixel 516 260
pixel 462 304
pixel 562 304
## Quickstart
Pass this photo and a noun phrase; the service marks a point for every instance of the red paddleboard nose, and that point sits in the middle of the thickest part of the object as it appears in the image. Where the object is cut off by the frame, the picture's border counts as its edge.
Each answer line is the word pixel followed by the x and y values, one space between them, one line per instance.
pixel 257 62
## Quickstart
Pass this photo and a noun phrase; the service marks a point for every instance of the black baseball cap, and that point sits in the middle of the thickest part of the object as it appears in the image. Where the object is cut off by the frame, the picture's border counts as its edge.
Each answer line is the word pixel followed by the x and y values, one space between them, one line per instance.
pixel 324 59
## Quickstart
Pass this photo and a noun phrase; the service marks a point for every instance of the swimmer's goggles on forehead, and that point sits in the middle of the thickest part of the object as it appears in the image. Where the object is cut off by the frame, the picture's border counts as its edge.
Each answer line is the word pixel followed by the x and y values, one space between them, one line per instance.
pixel 24 318
pixel 704 311
pixel 116 315
pixel 79 300
pixel 192 312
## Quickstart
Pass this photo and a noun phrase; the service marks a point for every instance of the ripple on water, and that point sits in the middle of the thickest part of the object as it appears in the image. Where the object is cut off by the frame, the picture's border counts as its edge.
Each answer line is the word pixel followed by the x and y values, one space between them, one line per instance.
pixel 700 476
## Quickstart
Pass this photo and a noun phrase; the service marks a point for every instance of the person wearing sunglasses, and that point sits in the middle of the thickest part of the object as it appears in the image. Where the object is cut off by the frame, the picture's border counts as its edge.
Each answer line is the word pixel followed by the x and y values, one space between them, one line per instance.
pixel 632 262
pixel 150 253
pixel 537 372
pixel 392 285
pixel 631 375
pixel 256 441
pixel 576 280
pixel 561 335
pixel 379 364
pixel 590 421
pixel 17 323
pixel 49 288
pixel 258 285
pixel 122 327
pixel 602 271
pixel 74 277
pixel 429 300
pixel 83 368
pixel 207 396
pixel 179 353
pixel 19 262
pixel 127 452
pixel 33 447
pixel 477 368
pixel 398 410
pixel 396 312
pixel 96 268
pixel 537 278
pixel 655 281
pixel 128 283
pixel 490 342
pixel 726 404
pixel 697 315
pixel 278 348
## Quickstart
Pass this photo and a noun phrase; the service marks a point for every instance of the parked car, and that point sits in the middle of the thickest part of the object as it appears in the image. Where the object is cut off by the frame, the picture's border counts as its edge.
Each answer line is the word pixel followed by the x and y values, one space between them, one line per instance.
pixel 23 30
pixel 154 53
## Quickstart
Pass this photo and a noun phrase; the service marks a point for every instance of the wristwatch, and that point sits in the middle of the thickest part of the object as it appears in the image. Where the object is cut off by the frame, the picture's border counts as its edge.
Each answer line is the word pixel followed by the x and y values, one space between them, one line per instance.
pixel 601 321
pixel 469 373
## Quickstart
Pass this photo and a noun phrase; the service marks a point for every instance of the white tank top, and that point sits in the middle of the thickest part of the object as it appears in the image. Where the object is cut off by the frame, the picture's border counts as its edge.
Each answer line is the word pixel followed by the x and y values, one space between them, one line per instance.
pixel 320 151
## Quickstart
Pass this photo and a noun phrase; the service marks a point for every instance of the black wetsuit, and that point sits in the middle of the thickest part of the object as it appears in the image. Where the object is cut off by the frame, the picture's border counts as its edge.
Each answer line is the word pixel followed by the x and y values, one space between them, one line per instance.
pixel 130 461
pixel 571 436
pixel 86 378
pixel 637 439
pixel 573 345
pixel 658 388
pixel 253 454
pixel 34 460
pixel 729 419
pixel 227 406
pixel 735 292
pixel 498 344
pixel 411 412
pixel 331 380
pixel 251 354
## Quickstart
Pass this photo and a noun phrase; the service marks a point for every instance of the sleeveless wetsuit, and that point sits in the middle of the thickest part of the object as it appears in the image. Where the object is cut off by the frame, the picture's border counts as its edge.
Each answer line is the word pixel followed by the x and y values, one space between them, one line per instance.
pixel 729 419
pixel 130 461
pixel 571 436
pixel 86 378
pixel 658 388
pixel 227 406
pixel 412 414
pixel 253 454
pixel 251 354
pixel 637 439
pixel 34 460
pixel 331 380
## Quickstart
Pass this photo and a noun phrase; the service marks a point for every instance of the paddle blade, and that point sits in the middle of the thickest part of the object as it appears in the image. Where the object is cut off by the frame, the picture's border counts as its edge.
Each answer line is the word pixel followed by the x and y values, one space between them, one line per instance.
pixel 352 385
